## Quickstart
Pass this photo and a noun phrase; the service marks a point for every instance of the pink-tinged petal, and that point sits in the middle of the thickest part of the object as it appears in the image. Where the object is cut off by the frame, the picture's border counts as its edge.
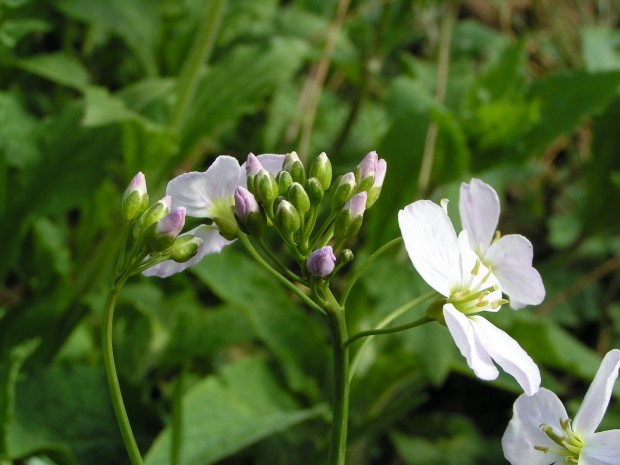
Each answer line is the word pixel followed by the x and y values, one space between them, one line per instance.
pixel 601 449
pixel 462 332
pixel 511 260
pixel 523 432
pixel 197 192
pixel 270 161
pixel 213 242
pixel 479 210
pixel 508 354
pixel 432 245
pixel 597 398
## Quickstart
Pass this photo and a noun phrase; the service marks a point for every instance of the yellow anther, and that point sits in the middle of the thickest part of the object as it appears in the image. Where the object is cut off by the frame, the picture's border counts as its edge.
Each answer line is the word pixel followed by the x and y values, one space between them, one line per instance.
pixel 498 303
pixel 476 268
pixel 542 449
pixel 482 304
pixel 497 236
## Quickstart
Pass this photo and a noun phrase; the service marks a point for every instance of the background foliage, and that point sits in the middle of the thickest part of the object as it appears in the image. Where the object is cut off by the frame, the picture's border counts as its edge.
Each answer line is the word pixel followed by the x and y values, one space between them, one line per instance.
pixel 524 95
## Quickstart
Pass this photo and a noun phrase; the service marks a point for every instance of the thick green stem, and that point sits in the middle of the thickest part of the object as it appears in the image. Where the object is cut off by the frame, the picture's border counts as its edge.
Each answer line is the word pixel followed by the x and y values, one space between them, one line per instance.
pixel 338 443
pixel 110 371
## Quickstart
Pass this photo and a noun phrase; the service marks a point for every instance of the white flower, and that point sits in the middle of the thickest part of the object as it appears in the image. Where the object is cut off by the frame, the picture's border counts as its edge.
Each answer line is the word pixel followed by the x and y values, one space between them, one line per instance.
pixel 540 432
pixel 509 257
pixel 449 266
pixel 210 194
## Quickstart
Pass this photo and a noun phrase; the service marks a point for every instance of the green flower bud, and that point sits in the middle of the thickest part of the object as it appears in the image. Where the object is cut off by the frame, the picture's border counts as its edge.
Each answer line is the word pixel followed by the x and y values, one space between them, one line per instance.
pixel 248 213
pixel 346 256
pixel 284 180
pixel 152 215
pixel 265 188
pixel 293 165
pixel 344 188
pixel 321 169
pixel 315 191
pixel 227 227
pixel 349 220
pixel 185 248
pixel 287 218
pixel 135 199
pixel 299 198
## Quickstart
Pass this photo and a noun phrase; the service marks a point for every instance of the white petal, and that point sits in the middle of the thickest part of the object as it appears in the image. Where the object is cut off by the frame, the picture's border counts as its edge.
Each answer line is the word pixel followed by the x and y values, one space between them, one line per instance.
pixel 213 242
pixel 188 190
pixel 508 354
pixel 465 339
pixel 271 162
pixel 511 261
pixel 597 398
pixel 523 432
pixel 432 245
pixel 601 449
pixel 479 210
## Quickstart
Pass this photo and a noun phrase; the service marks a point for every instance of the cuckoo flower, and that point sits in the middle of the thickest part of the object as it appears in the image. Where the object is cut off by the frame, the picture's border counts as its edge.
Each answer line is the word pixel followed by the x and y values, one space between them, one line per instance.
pixel 449 266
pixel 510 256
pixel 540 432
pixel 211 194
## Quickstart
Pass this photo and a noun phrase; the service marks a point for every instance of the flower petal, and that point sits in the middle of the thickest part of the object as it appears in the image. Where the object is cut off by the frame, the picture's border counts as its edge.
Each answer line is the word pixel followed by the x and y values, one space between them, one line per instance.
pixel 511 261
pixel 508 354
pixel 213 242
pixel 197 192
pixel 597 398
pixel 523 432
pixel 601 449
pixel 462 332
pixel 479 210
pixel 432 245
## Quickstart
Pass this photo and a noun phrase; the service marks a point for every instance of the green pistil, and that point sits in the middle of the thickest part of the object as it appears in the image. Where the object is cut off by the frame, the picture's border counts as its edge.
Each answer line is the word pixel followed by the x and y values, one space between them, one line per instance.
pixel 570 443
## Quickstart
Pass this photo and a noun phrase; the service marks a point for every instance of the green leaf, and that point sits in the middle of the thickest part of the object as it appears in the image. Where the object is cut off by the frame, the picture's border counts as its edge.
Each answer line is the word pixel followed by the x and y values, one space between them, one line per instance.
pixel 238 83
pixel 9 371
pixel 600 48
pixel 60 67
pixel 17 133
pixel 565 100
pixel 294 337
pixel 14 30
pixel 136 22
pixel 67 413
pixel 224 414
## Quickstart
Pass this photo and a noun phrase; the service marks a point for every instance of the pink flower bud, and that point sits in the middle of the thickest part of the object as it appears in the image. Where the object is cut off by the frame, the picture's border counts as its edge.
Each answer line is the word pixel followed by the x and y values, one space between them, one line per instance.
pixel 321 262
pixel 252 165
pixel 245 203
pixel 357 205
pixel 172 224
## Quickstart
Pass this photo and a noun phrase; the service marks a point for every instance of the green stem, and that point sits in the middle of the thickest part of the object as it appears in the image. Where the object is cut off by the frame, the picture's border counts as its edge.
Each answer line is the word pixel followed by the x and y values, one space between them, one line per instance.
pixel 338 329
pixel 110 371
pixel 382 324
pixel 177 418
pixel 307 300
pixel 393 329
pixel 358 273
pixel 199 55
pixel 283 269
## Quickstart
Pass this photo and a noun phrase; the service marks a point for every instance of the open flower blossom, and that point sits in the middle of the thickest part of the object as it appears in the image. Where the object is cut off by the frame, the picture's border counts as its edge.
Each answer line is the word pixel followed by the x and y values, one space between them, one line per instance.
pixel 541 433
pixel 210 194
pixel 510 256
pixel 449 265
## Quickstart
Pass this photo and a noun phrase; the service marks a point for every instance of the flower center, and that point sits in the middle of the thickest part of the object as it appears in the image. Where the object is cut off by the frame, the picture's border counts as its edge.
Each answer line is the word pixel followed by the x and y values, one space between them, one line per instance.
pixel 223 208
pixel 478 292
pixel 569 442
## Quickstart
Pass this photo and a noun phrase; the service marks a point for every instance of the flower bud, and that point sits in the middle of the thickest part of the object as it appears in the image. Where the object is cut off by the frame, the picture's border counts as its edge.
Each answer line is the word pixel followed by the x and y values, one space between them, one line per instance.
pixel 152 215
pixel 227 227
pixel 293 165
pixel 298 198
pixel 284 180
pixel 343 190
pixel 314 189
pixel 375 190
pixel 349 220
pixel 247 210
pixel 346 256
pixel 265 188
pixel 135 199
pixel 365 171
pixel 321 262
pixel 252 167
pixel 287 218
pixel 162 234
pixel 185 247
pixel 321 169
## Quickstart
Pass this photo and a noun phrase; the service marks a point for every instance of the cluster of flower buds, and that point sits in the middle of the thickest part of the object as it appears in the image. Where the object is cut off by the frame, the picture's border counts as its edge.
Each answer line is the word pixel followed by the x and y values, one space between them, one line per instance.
pixel 156 228
pixel 294 199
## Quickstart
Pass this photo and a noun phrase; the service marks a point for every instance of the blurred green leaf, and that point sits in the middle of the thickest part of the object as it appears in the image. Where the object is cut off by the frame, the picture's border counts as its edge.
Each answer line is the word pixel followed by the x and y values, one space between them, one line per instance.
pixel 600 48
pixel 15 29
pixel 57 67
pixel 223 415
pixel 17 133
pixel 294 337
